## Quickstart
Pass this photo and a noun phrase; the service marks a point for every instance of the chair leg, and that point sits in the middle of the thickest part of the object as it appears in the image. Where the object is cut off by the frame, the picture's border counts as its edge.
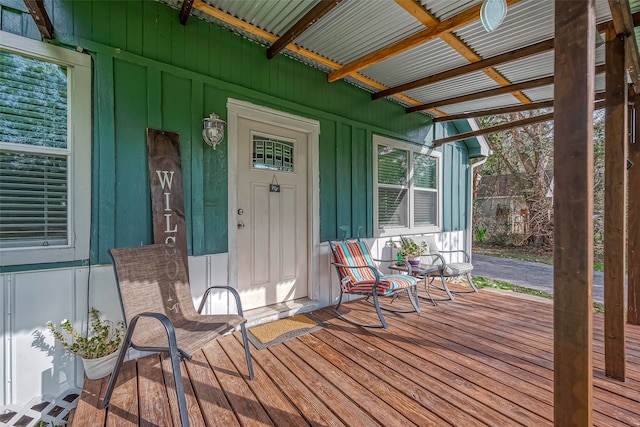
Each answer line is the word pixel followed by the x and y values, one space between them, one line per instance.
pixel 177 378
pixel 376 303
pixel 116 370
pixel 174 354
pixel 413 297
pixel 444 285
pixel 471 283
pixel 247 352
pixel 383 323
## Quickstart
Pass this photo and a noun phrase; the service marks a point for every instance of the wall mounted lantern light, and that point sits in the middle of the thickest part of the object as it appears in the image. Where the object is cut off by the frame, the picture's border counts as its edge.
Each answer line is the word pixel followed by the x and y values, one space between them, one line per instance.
pixel 213 130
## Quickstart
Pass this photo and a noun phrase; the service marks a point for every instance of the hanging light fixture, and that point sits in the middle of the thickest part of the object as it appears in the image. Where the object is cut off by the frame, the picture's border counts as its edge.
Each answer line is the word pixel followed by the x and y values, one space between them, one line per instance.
pixel 492 13
pixel 213 130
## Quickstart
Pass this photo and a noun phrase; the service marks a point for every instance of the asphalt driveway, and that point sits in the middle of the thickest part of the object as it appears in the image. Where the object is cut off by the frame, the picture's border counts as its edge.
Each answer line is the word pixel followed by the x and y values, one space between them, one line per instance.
pixel 528 274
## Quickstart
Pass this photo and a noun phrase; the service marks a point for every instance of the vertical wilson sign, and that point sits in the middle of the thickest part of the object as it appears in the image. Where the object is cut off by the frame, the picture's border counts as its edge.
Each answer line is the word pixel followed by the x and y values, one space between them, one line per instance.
pixel 167 197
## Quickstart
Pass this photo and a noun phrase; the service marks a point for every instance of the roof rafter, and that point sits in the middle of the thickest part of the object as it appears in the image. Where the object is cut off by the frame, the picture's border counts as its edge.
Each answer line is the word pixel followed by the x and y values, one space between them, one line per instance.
pixel 530 84
pixel 40 17
pixel 504 58
pixel 504 110
pixel 480 64
pixel 418 12
pixel 623 22
pixel 544 81
pixel 495 111
pixel 318 11
pixel 239 23
pixel 458 21
pixel 505 126
pixel 185 10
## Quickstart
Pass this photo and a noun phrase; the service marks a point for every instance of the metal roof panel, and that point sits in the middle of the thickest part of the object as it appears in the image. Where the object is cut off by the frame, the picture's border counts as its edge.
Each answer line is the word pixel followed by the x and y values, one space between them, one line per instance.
pixel 445 9
pixel 462 85
pixel 275 16
pixel 422 61
pixel 529 68
pixel 480 104
pixel 512 34
pixel 355 28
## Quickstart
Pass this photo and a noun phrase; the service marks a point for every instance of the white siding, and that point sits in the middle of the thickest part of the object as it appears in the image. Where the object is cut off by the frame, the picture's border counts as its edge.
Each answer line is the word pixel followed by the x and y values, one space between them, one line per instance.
pixel 31 298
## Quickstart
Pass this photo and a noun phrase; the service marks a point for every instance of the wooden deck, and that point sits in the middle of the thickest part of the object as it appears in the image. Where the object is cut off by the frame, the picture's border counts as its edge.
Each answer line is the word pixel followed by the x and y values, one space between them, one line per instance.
pixel 485 359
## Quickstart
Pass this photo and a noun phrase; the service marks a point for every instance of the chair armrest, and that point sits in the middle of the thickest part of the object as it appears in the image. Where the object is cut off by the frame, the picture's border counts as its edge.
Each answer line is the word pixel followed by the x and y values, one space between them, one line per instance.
pixel 466 255
pixel 384 260
pixel 372 268
pixel 233 292
pixel 443 262
pixel 168 326
pixel 126 343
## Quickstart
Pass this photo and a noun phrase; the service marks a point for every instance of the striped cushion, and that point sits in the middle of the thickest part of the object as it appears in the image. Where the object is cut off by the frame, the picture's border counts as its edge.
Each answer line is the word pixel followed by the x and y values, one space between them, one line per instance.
pixel 362 280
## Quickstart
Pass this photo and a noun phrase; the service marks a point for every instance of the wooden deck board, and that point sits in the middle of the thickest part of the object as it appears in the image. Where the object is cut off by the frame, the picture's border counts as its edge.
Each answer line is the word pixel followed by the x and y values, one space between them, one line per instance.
pixel 485 359
pixel 152 393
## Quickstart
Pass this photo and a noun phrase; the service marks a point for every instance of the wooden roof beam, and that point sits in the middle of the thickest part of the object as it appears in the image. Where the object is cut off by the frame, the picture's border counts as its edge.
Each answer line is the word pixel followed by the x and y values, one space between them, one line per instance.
pixel 495 111
pixel 427 19
pixel 252 29
pixel 504 58
pixel 40 17
pixel 504 110
pixel 544 81
pixel 316 13
pixel 481 64
pixel 449 25
pixel 505 126
pixel 623 22
pixel 494 129
pixel 418 12
pixel 185 11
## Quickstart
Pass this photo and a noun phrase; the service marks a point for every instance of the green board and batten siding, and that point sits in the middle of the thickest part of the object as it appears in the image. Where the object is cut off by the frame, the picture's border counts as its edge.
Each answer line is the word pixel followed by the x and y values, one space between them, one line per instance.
pixel 150 71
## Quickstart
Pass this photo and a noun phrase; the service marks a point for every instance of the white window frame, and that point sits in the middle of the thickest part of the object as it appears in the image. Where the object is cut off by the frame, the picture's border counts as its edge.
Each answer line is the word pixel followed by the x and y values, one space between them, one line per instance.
pixel 411 149
pixel 79 153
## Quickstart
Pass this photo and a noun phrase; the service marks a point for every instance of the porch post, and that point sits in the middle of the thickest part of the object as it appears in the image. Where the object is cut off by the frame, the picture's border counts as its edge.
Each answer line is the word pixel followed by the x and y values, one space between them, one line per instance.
pixel 615 175
pixel 633 308
pixel 573 211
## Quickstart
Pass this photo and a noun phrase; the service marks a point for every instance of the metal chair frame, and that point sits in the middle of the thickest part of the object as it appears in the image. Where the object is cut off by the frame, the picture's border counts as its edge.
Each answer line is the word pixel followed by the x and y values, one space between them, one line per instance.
pixel 441 272
pixel 175 353
pixel 373 294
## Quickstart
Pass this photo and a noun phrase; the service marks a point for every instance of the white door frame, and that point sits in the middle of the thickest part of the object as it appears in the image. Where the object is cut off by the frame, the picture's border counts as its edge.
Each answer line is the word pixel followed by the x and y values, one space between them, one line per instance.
pixel 237 109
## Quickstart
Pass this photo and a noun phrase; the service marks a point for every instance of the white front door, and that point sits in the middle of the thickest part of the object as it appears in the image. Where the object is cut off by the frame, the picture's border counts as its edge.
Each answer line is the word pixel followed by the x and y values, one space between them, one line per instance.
pixel 272 214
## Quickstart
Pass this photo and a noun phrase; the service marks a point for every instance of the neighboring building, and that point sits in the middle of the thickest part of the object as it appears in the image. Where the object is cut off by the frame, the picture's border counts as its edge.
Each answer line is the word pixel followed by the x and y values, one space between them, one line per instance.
pixel 122 67
pixel 500 201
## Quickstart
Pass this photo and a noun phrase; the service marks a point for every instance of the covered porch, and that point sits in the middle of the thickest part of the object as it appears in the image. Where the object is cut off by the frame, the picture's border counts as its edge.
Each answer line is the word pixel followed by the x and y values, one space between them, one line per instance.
pixel 485 359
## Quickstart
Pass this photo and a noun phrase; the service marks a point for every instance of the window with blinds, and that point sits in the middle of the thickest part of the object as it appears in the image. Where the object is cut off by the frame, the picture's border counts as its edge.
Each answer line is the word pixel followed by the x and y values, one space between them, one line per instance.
pixel 393 203
pixel 406 188
pixel 34 155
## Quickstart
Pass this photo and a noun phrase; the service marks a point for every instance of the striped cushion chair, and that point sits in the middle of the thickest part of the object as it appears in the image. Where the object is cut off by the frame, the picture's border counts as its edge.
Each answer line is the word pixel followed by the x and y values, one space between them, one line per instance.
pixel 359 275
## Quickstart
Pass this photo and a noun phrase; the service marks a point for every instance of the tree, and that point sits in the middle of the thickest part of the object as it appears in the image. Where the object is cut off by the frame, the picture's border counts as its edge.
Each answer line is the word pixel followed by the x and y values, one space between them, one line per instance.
pixel 525 154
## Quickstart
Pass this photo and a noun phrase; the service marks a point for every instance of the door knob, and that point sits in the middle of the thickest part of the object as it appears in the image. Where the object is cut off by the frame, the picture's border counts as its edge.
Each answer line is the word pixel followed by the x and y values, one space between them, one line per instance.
pixel 240 224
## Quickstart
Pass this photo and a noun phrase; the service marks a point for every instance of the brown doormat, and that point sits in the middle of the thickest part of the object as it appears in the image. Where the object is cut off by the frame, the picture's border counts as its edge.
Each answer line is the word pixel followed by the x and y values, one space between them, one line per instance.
pixel 266 335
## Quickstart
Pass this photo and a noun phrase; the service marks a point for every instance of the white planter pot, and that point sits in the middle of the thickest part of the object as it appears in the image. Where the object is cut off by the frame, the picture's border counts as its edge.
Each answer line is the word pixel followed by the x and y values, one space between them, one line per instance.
pixel 100 367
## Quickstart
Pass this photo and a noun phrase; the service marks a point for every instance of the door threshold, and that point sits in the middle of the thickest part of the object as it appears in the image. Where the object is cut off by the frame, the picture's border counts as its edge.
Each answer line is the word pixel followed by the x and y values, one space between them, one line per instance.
pixel 269 313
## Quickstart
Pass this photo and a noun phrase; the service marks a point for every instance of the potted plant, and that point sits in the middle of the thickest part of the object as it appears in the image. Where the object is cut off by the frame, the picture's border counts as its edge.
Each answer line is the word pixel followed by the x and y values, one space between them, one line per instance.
pixel 99 349
pixel 413 251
